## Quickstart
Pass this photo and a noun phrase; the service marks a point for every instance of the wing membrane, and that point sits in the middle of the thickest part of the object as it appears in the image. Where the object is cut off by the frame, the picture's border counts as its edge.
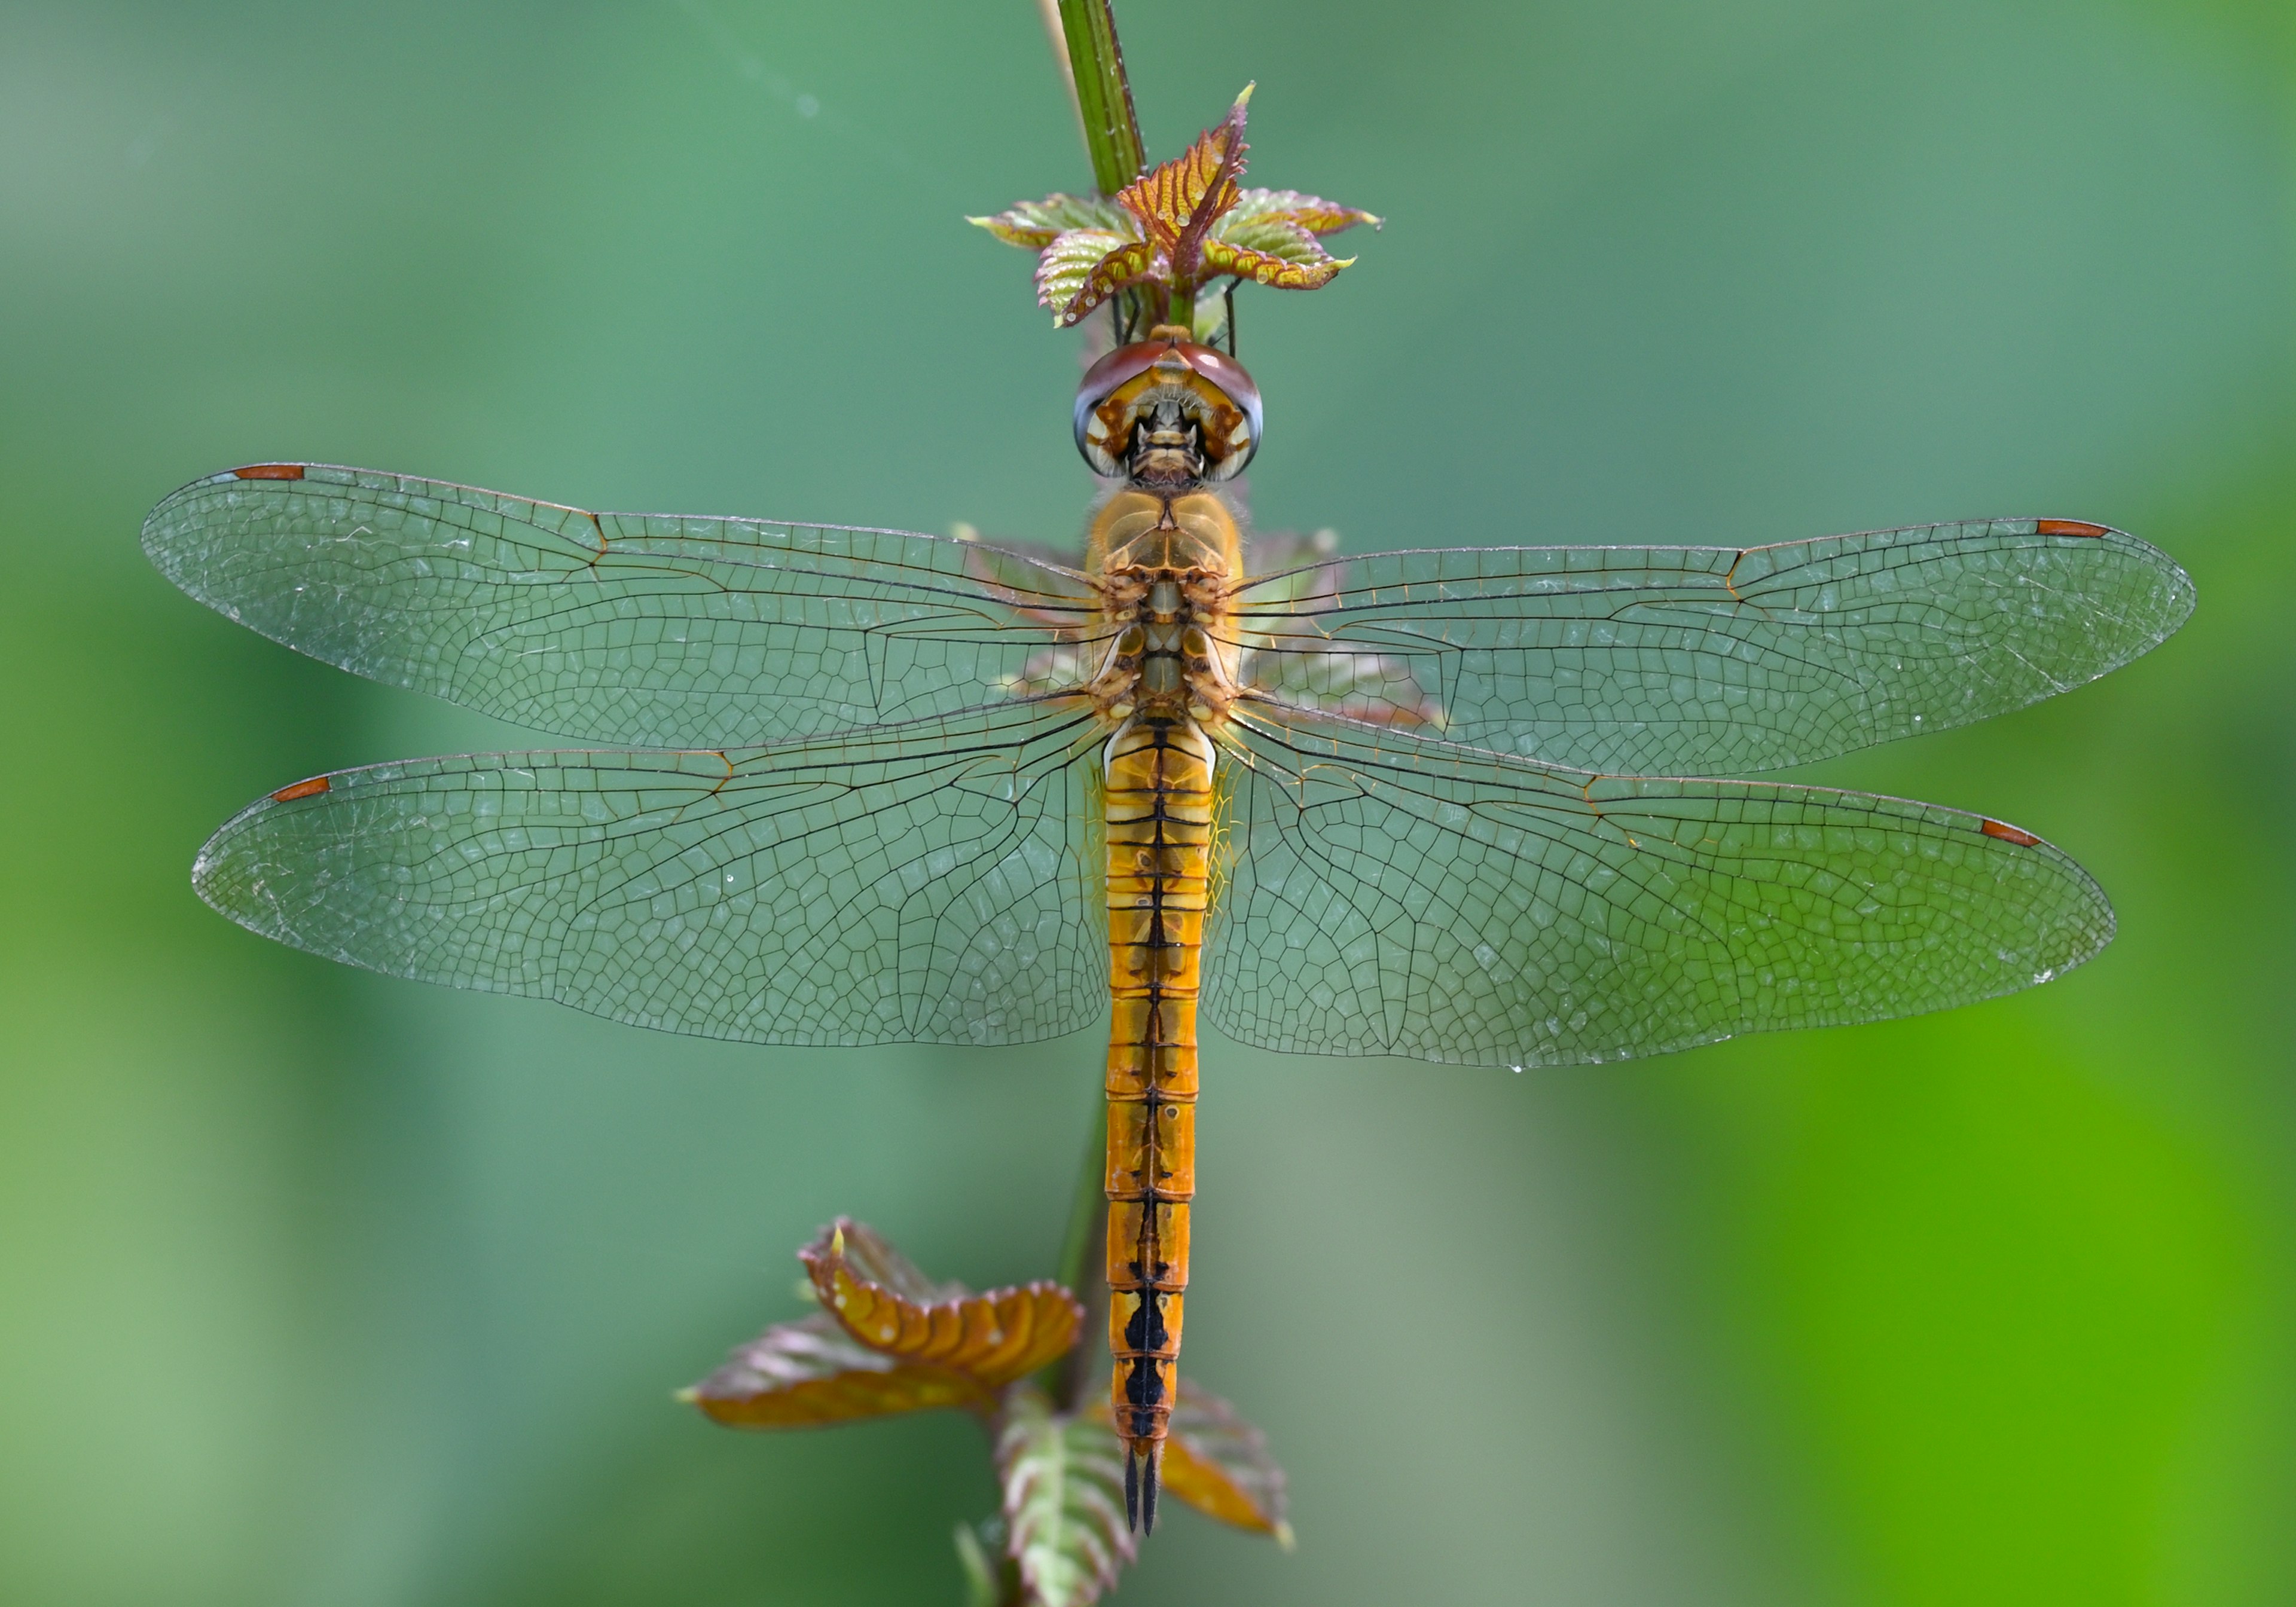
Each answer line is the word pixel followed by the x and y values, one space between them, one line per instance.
pixel 932 883
pixel 1390 894
pixel 646 629
pixel 1653 660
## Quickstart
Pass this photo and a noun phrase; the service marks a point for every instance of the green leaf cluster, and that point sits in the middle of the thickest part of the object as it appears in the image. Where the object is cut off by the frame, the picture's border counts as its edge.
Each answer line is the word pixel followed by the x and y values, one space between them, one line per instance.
pixel 1175 229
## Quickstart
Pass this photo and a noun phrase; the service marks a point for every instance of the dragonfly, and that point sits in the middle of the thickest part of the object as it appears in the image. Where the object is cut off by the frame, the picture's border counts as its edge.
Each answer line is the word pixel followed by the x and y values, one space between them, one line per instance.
pixel 862 786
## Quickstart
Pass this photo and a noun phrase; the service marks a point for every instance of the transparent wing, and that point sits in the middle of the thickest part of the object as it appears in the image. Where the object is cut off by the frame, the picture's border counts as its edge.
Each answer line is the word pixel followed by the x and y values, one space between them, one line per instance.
pixel 933 883
pixel 1652 661
pixel 652 630
pixel 1389 894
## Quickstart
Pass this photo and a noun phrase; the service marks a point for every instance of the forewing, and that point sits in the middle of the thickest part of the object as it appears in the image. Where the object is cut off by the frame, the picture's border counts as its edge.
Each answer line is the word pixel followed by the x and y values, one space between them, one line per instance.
pixel 1387 894
pixel 1651 661
pixel 653 630
pixel 927 882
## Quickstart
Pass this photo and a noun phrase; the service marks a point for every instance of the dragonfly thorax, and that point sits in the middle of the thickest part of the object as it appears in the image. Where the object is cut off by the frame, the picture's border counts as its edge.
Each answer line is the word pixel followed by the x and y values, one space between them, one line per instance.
pixel 1192 538
pixel 1165 570
pixel 1165 670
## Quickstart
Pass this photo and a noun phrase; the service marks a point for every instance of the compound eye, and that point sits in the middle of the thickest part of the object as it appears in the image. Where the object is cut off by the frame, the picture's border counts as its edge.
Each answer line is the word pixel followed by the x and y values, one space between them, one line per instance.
pixel 1210 387
pixel 1104 433
pixel 1239 422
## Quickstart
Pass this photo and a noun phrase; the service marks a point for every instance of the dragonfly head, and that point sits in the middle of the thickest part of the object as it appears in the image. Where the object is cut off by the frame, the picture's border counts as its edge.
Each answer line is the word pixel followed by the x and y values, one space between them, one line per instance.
pixel 1167 414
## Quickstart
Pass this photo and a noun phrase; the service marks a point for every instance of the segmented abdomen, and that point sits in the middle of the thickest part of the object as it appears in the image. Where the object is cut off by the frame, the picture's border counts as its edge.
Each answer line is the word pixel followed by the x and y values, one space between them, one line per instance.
pixel 1159 814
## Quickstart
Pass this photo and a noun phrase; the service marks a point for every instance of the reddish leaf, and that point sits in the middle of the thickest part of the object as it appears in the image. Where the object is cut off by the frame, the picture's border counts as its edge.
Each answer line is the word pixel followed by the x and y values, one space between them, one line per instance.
pixel 1178 201
pixel 1035 224
pixel 1128 264
pixel 1172 228
pixel 1305 265
pixel 1271 236
pixel 871 1258
pixel 1064 265
pixel 1312 213
pixel 808 1373
pixel 887 1304
pixel 1218 1463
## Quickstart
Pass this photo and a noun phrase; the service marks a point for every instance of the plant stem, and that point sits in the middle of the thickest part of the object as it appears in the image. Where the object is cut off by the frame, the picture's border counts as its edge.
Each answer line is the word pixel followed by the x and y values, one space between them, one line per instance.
pixel 1103 96
pixel 1087 1228
pixel 1048 12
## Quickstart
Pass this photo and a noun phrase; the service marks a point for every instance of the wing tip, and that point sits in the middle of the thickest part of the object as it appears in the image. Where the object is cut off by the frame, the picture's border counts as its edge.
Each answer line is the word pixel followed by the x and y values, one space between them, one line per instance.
pixel 2181 597
pixel 154 523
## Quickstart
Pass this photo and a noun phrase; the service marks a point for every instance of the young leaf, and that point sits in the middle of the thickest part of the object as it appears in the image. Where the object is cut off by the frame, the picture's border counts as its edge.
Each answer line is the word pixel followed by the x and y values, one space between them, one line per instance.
pixel 802 1375
pixel 1065 264
pixel 1218 1463
pixel 1296 264
pixel 990 1578
pixel 1178 201
pixel 1063 1483
pixel 887 1304
pixel 1127 263
pixel 1034 223
pixel 1271 236
pixel 1171 229
pixel 871 1258
pixel 1312 213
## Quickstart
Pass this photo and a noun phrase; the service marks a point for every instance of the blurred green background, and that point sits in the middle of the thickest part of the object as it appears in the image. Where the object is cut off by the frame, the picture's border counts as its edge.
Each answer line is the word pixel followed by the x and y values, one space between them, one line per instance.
pixel 320 1288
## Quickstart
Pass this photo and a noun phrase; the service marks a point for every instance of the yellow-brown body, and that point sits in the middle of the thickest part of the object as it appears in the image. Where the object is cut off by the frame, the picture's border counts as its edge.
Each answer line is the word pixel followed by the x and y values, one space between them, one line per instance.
pixel 1166 569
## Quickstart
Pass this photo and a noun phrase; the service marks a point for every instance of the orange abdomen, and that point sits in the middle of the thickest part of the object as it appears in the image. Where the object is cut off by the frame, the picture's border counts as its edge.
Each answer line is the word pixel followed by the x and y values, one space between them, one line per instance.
pixel 1159 813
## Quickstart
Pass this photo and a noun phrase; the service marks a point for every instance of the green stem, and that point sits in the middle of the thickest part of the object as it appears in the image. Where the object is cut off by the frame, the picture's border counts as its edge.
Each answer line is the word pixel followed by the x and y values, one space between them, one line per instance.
pixel 1103 96
pixel 1111 139
pixel 1079 1272
pixel 1184 308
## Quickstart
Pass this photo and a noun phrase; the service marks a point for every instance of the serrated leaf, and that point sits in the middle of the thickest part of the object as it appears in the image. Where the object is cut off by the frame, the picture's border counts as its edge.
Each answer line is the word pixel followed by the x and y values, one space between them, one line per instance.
pixel 1063 1486
pixel 1035 224
pixel 873 1259
pixel 883 1302
pixel 1312 213
pixel 1218 1463
pixel 990 1578
pixel 1271 237
pixel 1064 265
pixel 1308 267
pixel 1172 228
pixel 1178 201
pixel 808 1373
pixel 1128 262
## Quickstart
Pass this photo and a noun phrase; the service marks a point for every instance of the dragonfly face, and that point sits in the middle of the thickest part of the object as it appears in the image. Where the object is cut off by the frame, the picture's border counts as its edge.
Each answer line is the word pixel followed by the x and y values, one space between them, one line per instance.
pixel 843 786
pixel 1168 414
